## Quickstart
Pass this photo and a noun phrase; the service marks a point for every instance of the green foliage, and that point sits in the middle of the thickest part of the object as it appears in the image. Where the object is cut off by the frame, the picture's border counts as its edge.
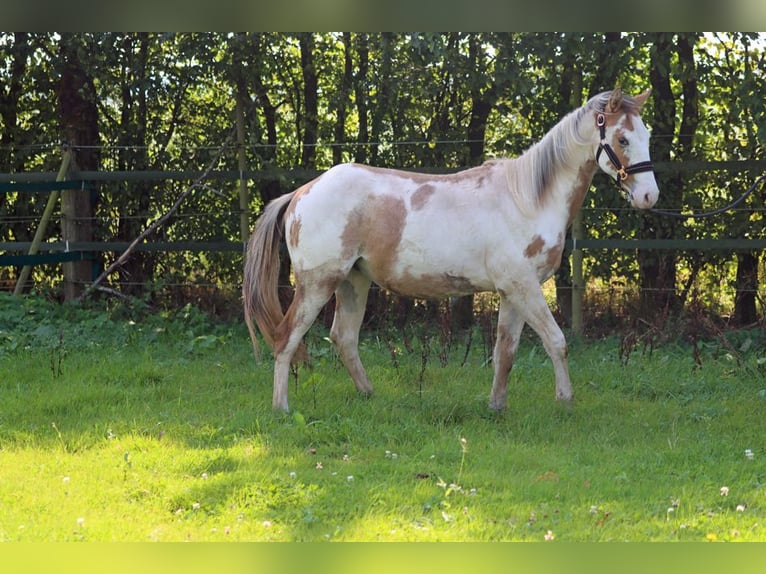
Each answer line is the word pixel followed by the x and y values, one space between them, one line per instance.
pixel 135 438
pixel 36 325
pixel 436 101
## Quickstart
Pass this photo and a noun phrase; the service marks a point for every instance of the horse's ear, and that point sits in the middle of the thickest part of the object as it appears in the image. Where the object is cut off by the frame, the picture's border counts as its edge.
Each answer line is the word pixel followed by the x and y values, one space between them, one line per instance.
pixel 615 100
pixel 641 98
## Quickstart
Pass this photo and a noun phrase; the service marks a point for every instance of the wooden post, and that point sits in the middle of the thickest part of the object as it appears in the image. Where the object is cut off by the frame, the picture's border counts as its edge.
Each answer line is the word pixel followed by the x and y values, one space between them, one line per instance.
pixel 76 226
pixel 244 200
pixel 578 282
pixel 47 212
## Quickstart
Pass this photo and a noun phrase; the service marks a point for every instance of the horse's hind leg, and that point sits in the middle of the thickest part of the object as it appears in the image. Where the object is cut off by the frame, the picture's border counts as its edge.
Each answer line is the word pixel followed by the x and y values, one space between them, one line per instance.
pixel 350 304
pixel 306 305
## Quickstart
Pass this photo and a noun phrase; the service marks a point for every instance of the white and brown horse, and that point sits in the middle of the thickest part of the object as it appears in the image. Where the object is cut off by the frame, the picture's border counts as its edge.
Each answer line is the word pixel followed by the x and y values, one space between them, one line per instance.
pixel 497 227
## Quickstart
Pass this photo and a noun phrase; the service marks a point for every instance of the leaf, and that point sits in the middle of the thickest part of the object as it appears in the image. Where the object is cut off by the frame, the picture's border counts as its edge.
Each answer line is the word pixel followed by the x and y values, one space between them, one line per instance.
pixel 299 419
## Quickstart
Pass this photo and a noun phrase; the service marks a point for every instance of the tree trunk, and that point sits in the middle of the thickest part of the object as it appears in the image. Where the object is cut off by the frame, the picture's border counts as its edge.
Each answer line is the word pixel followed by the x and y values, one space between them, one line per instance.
pixel 362 97
pixel 747 286
pixel 269 189
pixel 658 268
pixel 310 100
pixel 79 127
pixel 747 263
pixel 138 269
pixel 344 91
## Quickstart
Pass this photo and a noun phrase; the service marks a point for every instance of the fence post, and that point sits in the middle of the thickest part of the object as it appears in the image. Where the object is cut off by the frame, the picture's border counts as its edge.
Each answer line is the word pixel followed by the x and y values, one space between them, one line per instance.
pixel 578 283
pixel 76 226
pixel 47 212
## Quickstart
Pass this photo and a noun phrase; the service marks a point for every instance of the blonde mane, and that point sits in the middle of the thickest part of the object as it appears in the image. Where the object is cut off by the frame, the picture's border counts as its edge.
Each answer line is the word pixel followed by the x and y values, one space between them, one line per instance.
pixel 530 175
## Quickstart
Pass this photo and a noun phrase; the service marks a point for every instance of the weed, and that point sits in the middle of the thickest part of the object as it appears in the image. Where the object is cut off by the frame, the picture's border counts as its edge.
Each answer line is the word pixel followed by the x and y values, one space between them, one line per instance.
pixel 57 356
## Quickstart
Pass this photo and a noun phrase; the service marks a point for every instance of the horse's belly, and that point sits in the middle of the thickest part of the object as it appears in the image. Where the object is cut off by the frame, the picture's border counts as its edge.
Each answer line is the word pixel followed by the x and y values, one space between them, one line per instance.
pixel 427 281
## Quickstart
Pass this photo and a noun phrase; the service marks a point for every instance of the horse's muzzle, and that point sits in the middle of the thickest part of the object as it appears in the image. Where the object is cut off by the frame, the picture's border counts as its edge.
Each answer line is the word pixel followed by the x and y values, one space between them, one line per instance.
pixel 643 195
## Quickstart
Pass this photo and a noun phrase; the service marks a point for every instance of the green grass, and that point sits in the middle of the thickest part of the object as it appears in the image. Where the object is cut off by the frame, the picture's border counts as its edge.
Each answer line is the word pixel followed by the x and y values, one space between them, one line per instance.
pixel 113 430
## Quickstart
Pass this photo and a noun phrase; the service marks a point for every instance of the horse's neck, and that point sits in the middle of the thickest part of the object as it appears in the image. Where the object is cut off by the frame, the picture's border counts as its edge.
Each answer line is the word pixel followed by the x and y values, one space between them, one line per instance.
pixel 567 191
pixel 577 188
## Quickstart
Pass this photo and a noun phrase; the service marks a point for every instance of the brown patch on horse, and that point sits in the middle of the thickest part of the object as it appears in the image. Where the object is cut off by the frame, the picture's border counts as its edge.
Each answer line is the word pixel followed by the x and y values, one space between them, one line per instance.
pixel 580 189
pixel 422 195
pixel 295 232
pixel 295 228
pixel 505 359
pixel 373 233
pixel 431 285
pixel 553 257
pixel 535 247
pixel 282 334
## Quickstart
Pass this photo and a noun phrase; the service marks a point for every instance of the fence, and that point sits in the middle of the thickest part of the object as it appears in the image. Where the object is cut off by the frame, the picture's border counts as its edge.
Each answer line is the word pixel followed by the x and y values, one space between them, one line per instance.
pixel 38 252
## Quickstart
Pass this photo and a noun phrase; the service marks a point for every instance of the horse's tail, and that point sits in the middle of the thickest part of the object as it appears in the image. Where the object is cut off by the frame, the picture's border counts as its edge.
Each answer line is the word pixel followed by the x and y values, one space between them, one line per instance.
pixel 260 288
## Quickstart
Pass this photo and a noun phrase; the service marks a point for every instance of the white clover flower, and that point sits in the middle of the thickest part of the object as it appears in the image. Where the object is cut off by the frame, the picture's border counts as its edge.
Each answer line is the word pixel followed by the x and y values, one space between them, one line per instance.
pixel 549 536
pixel 749 454
pixel 724 491
pixel 293 474
pixel 741 507
pixel 350 478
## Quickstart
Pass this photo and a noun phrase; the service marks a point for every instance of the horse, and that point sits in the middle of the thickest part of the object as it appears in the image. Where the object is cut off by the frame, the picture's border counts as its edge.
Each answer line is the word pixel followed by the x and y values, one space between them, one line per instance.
pixel 497 227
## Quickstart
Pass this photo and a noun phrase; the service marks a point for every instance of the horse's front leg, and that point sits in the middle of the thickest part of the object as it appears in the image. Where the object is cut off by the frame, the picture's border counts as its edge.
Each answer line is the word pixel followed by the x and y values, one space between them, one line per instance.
pixel 509 326
pixel 537 314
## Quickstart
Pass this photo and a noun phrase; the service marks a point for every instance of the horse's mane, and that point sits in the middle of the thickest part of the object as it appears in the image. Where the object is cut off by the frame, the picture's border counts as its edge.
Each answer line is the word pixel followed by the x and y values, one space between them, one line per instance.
pixel 530 175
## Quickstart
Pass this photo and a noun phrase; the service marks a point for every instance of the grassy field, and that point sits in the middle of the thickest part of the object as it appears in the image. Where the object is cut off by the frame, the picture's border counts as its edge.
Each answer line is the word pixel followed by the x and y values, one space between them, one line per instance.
pixel 160 429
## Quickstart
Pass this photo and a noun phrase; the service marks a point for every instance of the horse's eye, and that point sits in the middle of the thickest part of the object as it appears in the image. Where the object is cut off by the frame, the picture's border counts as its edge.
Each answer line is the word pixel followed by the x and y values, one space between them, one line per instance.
pixel 623 141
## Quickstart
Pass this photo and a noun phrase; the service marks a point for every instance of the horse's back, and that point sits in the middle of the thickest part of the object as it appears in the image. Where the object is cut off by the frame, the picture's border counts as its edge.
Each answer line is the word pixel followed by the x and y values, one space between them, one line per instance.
pixel 414 233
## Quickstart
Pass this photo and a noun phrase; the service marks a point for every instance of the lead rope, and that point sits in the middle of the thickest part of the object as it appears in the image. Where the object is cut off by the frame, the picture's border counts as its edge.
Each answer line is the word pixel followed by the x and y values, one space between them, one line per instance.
pixel 718 211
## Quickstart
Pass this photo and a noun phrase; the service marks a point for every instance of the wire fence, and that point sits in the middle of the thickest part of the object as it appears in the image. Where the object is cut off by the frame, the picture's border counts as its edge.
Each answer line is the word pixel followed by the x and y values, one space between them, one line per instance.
pixel 231 248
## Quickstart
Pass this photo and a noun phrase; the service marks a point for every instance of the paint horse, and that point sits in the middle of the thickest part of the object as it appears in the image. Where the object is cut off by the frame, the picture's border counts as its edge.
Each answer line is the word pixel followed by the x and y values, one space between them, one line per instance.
pixel 496 227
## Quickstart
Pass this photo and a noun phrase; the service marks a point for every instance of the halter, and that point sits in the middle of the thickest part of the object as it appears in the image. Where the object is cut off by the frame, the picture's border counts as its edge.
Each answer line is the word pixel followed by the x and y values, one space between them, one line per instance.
pixel 622 172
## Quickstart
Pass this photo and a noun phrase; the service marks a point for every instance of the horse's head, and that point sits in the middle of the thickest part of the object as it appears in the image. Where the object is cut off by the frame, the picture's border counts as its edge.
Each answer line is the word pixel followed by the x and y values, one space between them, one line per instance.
pixel 623 148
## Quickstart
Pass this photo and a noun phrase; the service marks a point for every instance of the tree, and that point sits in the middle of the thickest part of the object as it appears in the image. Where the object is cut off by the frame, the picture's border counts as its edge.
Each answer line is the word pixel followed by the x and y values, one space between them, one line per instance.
pixel 657 268
pixel 15 52
pixel 78 114
pixel 753 111
pixel 430 101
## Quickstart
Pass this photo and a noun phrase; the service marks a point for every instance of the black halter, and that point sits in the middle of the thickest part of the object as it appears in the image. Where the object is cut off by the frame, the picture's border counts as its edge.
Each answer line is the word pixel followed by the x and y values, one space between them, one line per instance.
pixel 622 172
